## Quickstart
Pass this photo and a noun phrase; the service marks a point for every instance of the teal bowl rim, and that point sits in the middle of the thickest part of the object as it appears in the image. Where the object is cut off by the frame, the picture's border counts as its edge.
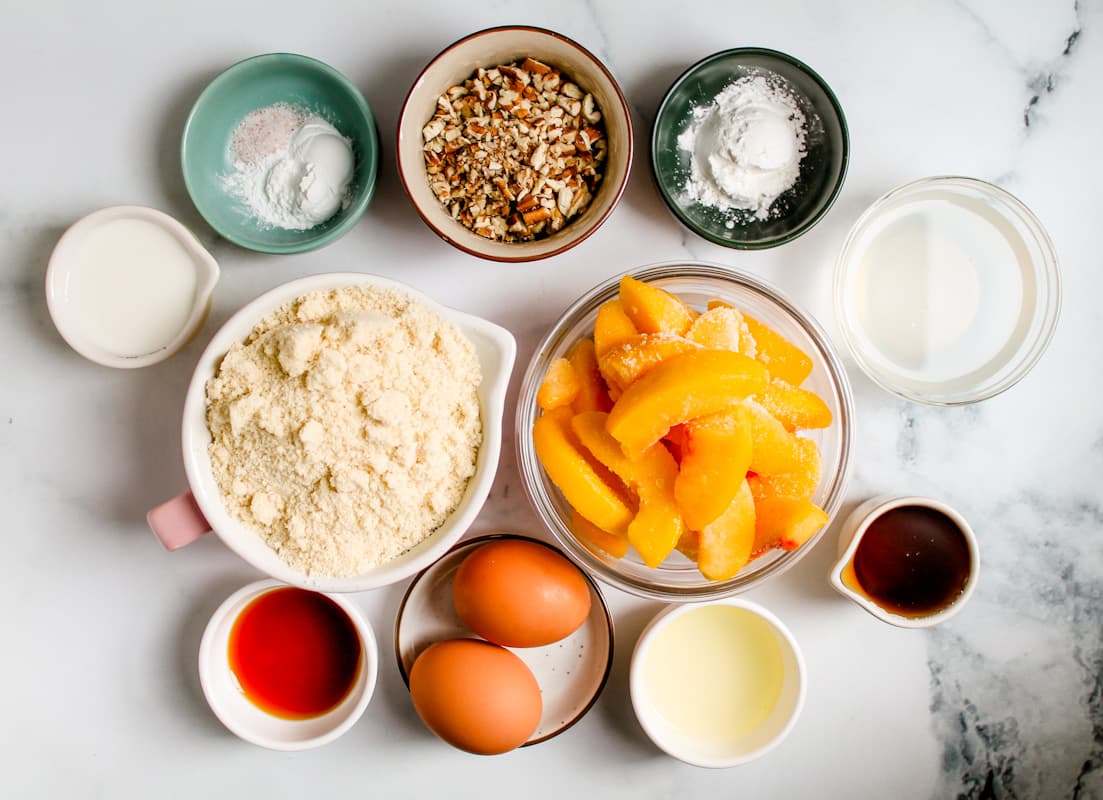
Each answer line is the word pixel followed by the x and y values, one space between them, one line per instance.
pixel 370 160
pixel 809 223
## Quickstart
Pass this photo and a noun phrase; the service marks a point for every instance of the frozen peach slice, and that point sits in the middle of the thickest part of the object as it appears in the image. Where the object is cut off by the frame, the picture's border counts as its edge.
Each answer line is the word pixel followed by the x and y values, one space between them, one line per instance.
pixel 654 310
pixel 722 328
pixel 783 358
pixel 560 385
pixel 716 453
pixel 726 543
pixel 774 449
pixel 675 440
pixel 682 388
pixel 625 364
pixel 591 389
pixel 689 545
pixel 591 534
pixel 800 483
pixel 595 496
pixel 793 407
pixel 785 522
pixel 656 528
pixel 612 327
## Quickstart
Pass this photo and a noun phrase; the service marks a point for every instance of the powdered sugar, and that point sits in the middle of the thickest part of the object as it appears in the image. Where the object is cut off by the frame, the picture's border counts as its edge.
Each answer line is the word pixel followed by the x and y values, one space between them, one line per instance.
pixel 745 147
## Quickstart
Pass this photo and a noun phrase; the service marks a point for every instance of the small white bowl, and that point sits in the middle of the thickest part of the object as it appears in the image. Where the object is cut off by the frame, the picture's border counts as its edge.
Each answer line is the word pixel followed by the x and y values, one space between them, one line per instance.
pixel 66 257
pixel 711 753
pixel 247 720
pixel 850 537
pixel 187 516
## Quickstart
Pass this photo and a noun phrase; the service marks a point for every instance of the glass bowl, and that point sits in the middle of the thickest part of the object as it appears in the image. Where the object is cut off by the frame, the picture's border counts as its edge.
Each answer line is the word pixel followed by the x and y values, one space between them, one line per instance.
pixel 947 291
pixel 677 578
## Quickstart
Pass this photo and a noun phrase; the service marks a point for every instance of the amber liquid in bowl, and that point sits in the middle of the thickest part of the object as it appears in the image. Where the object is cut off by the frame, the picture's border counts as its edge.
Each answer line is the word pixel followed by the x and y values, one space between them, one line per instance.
pixel 913 561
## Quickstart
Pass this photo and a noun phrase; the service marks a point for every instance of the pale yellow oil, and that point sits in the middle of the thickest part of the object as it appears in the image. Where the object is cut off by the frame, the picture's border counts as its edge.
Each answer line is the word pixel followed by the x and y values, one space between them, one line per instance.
pixel 715 673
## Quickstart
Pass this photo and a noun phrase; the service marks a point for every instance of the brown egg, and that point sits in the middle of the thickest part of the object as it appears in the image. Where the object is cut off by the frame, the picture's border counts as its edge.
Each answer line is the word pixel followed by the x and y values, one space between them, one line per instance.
pixel 520 594
pixel 476 696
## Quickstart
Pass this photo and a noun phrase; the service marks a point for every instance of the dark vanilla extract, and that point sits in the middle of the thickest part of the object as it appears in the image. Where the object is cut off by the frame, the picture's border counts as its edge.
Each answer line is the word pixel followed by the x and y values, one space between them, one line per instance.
pixel 913 561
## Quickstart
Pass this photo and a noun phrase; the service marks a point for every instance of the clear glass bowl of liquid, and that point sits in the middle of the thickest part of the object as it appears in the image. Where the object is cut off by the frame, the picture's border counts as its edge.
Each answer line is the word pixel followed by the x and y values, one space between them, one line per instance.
pixel 947 291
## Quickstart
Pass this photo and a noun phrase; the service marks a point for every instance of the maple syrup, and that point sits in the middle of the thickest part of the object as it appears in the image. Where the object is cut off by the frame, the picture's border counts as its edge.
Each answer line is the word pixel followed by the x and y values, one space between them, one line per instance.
pixel 913 561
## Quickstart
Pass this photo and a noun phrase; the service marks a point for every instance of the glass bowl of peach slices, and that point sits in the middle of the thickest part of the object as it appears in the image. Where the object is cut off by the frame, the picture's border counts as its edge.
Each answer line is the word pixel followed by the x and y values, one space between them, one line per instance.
pixel 684 431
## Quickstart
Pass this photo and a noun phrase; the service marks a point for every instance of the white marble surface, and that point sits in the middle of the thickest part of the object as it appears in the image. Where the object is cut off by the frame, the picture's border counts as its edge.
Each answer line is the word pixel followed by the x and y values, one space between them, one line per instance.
pixel 101 627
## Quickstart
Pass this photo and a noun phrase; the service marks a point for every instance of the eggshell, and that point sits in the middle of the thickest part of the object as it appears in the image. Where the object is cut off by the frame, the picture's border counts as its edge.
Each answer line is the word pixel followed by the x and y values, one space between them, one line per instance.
pixel 520 594
pixel 475 695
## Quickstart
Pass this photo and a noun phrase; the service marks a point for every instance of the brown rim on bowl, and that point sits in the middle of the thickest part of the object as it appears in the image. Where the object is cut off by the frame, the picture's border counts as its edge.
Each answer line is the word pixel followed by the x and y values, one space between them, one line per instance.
pixel 630 146
pixel 649 583
pixel 594 587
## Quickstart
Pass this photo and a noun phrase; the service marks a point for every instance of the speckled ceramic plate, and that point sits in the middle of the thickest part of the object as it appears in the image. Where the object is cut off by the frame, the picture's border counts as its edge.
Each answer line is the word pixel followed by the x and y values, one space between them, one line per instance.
pixel 821 172
pixel 571 672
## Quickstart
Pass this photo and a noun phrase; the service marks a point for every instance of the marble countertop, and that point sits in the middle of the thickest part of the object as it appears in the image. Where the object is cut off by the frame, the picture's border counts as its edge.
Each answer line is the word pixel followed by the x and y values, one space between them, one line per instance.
pixel 101 626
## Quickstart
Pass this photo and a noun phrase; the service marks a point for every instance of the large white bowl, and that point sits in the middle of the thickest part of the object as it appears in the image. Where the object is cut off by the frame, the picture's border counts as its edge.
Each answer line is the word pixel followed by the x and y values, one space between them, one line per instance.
pixel 495 349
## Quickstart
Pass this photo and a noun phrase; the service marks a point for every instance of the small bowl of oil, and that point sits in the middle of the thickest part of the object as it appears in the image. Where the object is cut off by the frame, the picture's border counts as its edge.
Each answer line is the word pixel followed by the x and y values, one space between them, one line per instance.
pixel 717 684
pixel 910 561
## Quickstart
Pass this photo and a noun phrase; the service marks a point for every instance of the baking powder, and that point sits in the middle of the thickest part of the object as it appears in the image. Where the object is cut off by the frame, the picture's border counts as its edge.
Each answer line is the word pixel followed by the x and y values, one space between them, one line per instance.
pixel 745 147
pixel 292 169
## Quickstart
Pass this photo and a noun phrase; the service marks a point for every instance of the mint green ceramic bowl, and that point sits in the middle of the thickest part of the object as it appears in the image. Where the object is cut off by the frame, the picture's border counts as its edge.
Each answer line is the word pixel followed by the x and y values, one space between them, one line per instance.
pixel 255 83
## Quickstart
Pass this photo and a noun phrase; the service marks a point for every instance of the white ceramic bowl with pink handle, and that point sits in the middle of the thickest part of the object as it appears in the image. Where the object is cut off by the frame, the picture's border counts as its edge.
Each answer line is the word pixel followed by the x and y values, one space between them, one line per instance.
pixel 200 509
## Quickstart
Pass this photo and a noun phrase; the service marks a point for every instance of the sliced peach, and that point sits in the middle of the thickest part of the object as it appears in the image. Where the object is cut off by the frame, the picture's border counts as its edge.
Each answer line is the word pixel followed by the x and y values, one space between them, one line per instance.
pixel 726 543
pixel 801 483
pixel 626 363
pixel 774 449
pixel 716 453
pixel 590 534
pixel 653 310
pixel 598 497
pixel 722 328
pixel 691 385
pixel 656 528
pixel 675 441
pixel 689 545
pixel 560 385
pixel 793 407
pixel 785 522
pixel 612 327
pixel 783 358
pixel 591 389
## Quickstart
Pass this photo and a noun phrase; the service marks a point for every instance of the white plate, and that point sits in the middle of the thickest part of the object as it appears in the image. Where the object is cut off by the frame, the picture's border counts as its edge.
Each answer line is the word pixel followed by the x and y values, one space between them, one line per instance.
pixel 571 672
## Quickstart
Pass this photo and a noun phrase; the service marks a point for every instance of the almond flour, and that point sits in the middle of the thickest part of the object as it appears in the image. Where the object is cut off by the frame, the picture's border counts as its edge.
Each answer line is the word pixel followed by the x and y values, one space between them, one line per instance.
pixel 345 427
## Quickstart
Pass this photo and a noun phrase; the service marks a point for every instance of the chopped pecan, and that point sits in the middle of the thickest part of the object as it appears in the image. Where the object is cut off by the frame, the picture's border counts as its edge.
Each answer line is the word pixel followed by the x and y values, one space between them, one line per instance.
pixel 515 152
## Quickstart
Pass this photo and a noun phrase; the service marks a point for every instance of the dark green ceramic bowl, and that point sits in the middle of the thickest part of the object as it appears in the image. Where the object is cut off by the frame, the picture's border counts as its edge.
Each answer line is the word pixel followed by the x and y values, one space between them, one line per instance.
pixel 255 83
pixel 821 171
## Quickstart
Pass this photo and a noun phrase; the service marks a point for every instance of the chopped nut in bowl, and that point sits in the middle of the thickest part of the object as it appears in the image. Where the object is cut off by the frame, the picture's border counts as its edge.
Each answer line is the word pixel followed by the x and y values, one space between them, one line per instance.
pixel 521 157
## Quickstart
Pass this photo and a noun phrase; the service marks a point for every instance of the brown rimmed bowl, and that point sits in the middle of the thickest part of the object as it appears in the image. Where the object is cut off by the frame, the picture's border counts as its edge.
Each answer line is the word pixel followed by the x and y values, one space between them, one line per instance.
pixel 571 672
pixel 490 48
